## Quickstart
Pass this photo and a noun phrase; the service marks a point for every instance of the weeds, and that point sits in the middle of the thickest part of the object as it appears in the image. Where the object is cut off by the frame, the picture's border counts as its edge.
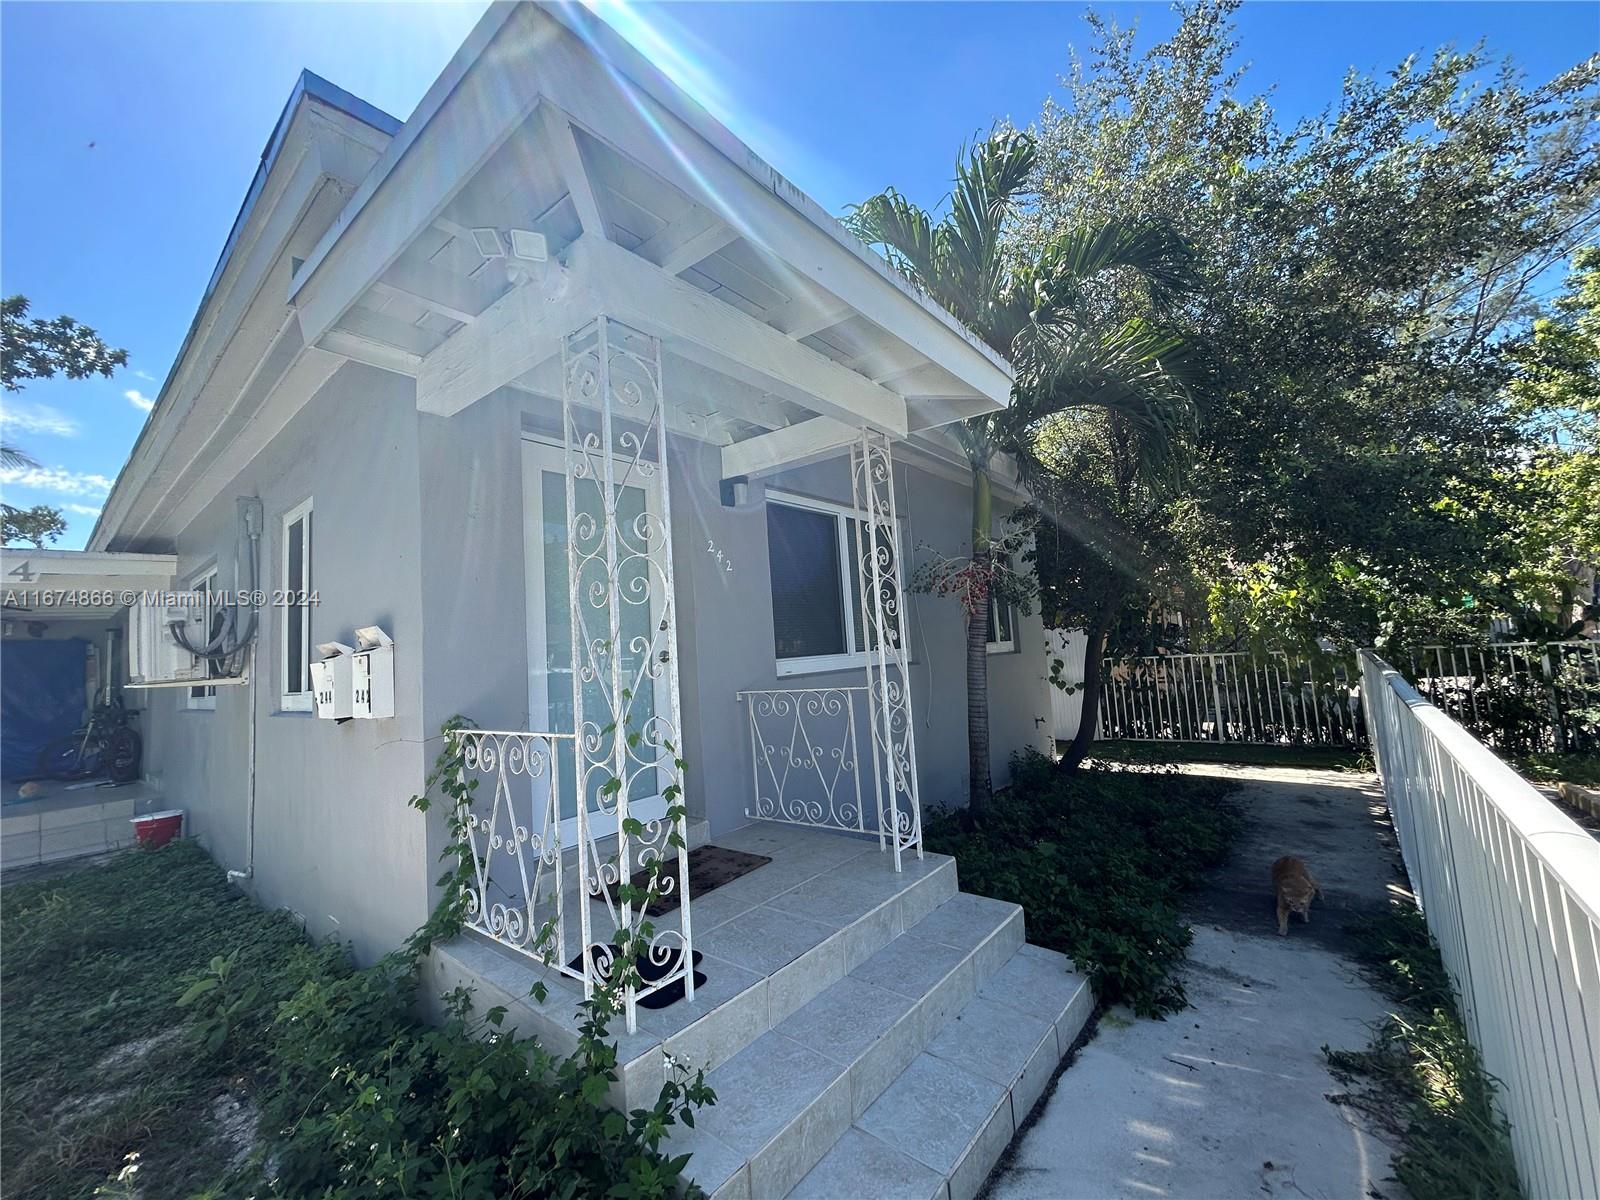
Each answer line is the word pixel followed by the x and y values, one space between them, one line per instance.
pixel 1421 1077
pixel 146 998
pixel 1581 769
pixel 1100 858
pixel 92 1071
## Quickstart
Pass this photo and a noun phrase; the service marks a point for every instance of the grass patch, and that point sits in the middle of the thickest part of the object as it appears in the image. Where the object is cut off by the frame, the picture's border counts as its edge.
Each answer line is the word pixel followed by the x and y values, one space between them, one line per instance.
pixel 152 1011
pixel 1420 1077
pixel 1583 769
pixel 93 1070
pixel 1100 857
pixel 1324 758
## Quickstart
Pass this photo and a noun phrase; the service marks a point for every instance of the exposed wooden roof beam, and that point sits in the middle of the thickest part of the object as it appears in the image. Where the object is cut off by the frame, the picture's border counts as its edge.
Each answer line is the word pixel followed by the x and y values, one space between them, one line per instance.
pixel 791 446
pixel 435 288
pixel 524 327
pixel 690 239
pixel 567 156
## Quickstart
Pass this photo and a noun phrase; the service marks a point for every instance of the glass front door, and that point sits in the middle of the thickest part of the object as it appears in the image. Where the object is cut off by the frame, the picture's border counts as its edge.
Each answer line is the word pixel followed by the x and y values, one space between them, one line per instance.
pixel 549 614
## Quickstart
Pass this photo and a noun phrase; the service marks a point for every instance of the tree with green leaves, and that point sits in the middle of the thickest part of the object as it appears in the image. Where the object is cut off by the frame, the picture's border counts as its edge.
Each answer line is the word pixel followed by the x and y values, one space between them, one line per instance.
pixel 1367 276
pixel 1554 499
pixel 34 348
pixel 34 526
pixel 1044 312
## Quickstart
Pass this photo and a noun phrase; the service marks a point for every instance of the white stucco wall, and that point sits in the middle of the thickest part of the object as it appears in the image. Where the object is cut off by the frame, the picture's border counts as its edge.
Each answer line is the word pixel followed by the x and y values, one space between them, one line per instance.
pixel 418 527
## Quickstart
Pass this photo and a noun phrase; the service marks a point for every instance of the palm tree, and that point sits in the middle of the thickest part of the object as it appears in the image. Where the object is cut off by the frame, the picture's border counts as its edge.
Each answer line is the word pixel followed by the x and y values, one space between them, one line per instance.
pixel 1049 315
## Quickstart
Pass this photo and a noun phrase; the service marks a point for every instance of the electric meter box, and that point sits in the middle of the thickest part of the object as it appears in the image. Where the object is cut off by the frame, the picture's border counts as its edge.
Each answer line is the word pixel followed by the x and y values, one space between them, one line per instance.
pixel 333 681
pixel 373 672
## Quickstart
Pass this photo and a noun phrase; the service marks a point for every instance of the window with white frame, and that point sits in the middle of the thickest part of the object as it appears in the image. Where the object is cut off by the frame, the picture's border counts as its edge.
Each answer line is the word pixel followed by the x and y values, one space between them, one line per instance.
pixel 205 584
pixel 295 611
pixel 1002 620
pixel 817 611
pixel 1002 626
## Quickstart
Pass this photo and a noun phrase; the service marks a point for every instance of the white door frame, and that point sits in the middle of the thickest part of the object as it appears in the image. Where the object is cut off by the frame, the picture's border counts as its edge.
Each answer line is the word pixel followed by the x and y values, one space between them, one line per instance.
pixel 541 454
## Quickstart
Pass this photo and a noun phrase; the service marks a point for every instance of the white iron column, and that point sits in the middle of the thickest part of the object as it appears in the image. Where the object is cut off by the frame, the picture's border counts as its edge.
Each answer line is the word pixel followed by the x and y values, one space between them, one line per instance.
pixel 879 558
pixel 614 432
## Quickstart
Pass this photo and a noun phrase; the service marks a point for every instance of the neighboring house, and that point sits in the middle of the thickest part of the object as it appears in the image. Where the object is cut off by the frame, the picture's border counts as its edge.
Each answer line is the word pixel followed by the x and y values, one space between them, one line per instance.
pixel 424 343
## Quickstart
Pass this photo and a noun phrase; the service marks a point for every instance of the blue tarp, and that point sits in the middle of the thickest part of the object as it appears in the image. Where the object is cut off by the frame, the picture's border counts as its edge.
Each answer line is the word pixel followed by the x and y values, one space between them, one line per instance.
pixel 41 698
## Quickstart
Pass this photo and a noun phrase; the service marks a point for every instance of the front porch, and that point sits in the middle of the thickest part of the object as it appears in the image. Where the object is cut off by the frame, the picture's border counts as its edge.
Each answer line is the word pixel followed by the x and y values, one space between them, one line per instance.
pixel 856 1022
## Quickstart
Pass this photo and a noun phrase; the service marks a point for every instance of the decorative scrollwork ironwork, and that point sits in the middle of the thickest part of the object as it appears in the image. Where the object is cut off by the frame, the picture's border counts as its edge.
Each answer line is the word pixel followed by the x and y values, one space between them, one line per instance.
pixel 614 435
pixel 803 747
pixel 880 561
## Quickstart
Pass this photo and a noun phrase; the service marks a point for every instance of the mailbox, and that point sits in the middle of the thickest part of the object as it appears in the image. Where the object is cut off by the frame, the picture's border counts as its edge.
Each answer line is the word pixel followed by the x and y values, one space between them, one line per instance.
pixel 332 681
pixel 372 670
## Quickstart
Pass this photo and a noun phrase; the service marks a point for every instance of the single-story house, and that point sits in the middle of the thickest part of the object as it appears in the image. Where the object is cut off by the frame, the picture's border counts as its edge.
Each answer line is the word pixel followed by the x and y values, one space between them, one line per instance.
pixel 555 407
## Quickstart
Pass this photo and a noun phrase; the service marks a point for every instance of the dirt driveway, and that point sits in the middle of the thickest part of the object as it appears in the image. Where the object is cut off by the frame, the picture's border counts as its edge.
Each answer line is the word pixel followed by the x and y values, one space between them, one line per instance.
pixel 1228 1099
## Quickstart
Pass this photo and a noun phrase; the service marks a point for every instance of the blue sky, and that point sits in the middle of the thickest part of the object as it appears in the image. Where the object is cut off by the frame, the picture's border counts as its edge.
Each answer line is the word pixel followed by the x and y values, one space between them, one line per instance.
pixel 131 131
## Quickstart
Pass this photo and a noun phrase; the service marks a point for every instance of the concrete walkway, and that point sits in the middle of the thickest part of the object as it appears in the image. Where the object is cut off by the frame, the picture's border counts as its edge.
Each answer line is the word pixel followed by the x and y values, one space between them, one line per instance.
pixel 1229 1098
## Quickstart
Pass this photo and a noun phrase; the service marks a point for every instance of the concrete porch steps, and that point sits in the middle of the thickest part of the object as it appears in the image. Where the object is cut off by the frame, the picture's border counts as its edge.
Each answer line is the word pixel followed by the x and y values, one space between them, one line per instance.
pixel 906 1078
pixel 866 1032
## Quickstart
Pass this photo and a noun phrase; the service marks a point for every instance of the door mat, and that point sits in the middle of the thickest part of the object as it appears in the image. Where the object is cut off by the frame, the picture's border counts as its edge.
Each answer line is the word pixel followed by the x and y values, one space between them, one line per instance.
pixel 650 971
pixel 709 868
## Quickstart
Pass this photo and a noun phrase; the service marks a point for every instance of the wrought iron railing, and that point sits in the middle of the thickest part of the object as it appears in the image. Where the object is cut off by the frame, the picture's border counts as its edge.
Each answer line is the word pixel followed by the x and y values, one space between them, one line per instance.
pixel 1519 697
pixel 1274 699
pixel 515 896
pixel 806 770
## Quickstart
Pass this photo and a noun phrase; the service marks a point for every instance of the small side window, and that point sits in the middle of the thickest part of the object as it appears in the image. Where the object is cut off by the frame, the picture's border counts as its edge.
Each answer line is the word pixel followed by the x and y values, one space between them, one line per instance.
pixel 204 697
pixel 295 611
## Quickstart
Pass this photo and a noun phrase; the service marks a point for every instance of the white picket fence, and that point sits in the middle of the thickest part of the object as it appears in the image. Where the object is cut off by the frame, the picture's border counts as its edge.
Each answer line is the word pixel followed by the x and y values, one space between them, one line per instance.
pixel 1510 887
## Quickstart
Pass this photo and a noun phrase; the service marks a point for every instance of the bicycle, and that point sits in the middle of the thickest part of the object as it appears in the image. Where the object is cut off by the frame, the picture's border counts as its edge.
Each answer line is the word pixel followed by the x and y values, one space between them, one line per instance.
pixel 107 744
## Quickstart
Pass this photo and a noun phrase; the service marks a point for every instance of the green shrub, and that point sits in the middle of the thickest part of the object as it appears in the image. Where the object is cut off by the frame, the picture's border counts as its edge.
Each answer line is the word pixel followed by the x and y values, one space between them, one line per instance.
pixel 360 1099
pixel 1100 859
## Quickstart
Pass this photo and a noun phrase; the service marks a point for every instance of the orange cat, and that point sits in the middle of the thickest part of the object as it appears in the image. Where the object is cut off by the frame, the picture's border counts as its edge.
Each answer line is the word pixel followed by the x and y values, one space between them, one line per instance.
pixel 1295 885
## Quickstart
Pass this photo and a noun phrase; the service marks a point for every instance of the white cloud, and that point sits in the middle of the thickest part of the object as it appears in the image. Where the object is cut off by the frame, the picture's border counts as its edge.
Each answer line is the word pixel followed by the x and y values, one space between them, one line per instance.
pixel 139 400
pixel 56 479
pixel 26 417
pixel 83 510
pixel 144 375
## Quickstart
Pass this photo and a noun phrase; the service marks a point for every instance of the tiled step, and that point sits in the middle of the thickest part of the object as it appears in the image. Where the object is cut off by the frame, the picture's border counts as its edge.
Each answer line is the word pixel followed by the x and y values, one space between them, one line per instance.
pixel 784 1102
pixel 940 1127
pixel 771 940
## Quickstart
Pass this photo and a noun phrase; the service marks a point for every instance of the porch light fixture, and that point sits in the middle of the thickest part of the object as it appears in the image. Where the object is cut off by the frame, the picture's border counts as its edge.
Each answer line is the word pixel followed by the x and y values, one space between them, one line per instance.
pixel 529 245
pixel 488 242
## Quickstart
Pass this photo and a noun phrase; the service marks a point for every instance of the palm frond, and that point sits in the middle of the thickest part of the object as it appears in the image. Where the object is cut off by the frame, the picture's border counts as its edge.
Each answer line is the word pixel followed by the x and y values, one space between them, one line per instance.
pixel 905 231
pixel 958 259
pixel 12 458
pixel 1134 369
pixel 990 183
pixel 1152 248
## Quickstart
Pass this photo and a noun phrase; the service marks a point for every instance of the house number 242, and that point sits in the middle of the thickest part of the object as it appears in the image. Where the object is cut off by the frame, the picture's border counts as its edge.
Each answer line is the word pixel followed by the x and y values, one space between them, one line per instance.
pixel 723 559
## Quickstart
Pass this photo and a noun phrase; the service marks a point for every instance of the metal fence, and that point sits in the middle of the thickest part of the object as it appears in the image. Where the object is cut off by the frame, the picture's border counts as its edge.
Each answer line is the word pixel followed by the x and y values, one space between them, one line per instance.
pixel 1510 887
pixel 1275 699
pixel 1518 697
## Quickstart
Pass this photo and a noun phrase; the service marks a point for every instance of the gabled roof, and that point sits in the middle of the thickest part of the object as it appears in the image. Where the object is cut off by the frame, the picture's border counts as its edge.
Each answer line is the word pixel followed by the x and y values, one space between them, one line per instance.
pixel 629 64
pixel 310 91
